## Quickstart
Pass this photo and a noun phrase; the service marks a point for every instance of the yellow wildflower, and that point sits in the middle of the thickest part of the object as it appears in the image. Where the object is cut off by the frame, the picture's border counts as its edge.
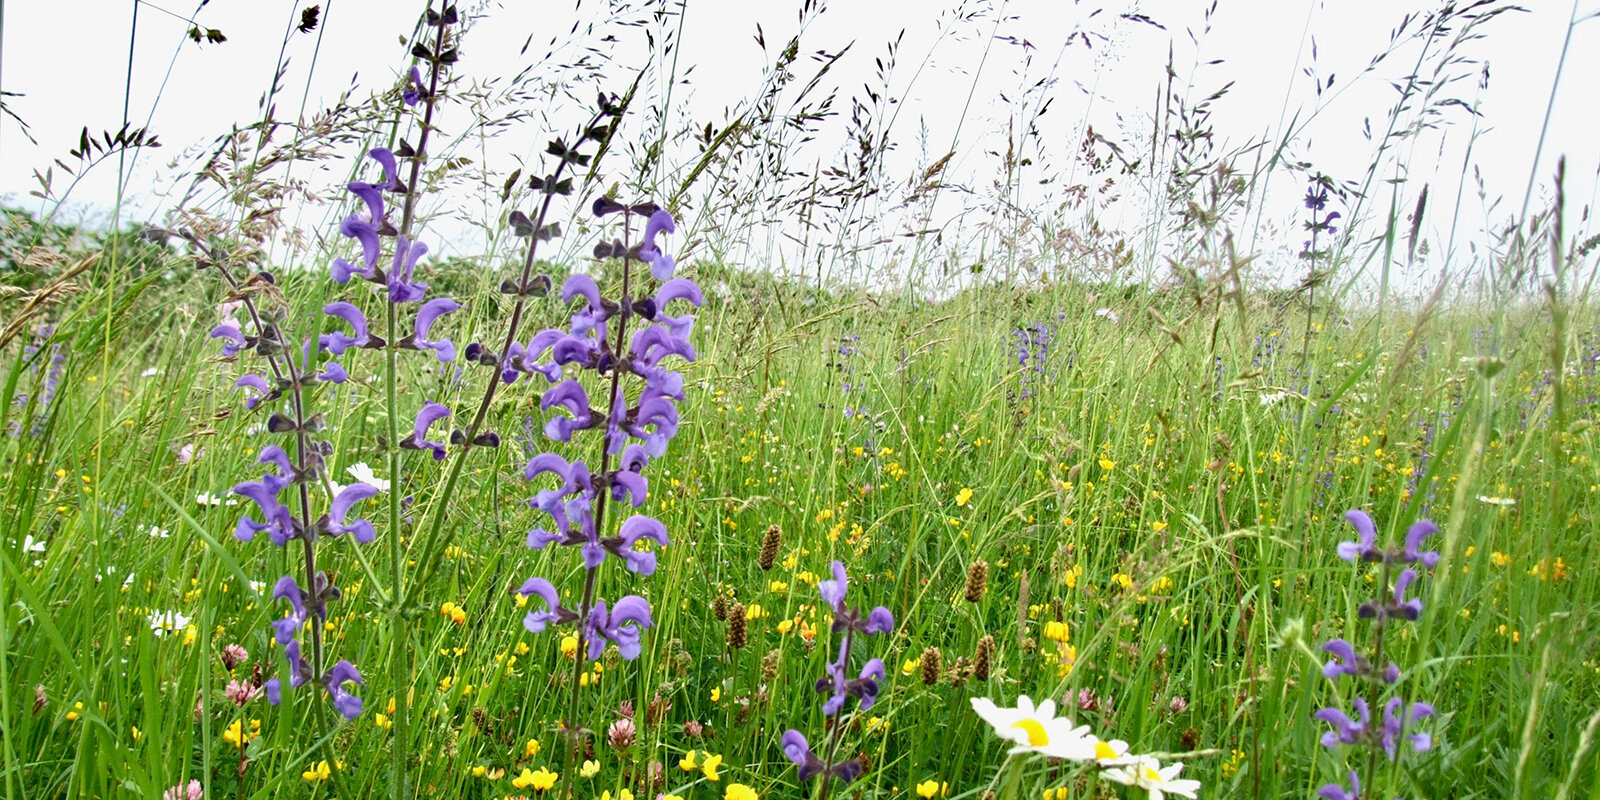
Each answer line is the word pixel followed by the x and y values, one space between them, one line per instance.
pixel 739 791
pixel 709 767
pixel 318 772
pixel 688 763
pixel 589 769
pixel 963 497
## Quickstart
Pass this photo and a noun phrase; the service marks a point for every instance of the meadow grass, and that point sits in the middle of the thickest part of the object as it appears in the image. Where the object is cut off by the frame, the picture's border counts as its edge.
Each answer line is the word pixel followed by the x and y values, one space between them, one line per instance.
pixel 1174 503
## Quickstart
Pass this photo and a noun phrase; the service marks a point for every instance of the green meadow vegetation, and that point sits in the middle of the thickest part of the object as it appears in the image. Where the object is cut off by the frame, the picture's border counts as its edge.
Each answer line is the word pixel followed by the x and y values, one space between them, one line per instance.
pixel 1068 475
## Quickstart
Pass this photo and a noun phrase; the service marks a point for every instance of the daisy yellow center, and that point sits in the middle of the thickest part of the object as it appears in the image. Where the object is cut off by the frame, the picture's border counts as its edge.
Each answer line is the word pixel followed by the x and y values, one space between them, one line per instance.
pixel 1151 775
pixel 1036 735
pixel 1103 751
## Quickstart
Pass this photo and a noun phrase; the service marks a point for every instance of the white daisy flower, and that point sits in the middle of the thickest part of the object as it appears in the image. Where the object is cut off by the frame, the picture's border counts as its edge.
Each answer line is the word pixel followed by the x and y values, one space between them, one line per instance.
pixel 1503 502
pixel 1112 753
pixel 1147 773
pixel 32 545
pixel 363 473
pixel 157 533
pixel 165 622
pixel 1037 729
pixel 209 499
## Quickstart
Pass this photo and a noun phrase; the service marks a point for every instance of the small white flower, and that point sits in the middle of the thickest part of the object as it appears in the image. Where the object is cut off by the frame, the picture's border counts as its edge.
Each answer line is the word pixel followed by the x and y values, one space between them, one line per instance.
pixel 1503 502
pixel 209 499
pixel 165 622
pixel 1037 729
pixel 1107 314
pixel 1146 772
pixel 32 545
pixel 258 586
pixel 363 473
pixel 157 533
pixel 151 372
pixel 1113 753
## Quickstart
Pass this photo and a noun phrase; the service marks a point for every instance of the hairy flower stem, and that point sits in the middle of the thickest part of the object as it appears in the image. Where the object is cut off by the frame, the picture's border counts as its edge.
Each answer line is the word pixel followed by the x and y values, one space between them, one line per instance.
pixel 574 730
pixel 280 372
pixel 833 730
pixel 1374 689
pixel 402 656
pixel 431 551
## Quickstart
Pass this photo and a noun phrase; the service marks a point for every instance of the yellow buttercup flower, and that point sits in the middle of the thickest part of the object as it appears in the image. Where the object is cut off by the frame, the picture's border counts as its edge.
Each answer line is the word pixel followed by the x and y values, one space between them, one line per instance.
pixel 739 791
pixel 963 497
pixel 930 788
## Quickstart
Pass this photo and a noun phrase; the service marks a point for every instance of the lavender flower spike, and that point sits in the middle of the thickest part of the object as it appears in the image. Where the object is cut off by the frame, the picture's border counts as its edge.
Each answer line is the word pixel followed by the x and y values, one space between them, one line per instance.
pixel 1334 791
pixel 1366 548
pixel 1345 730
pixel 537 621
pixel 431 412
pixel 339 674
pixel 633 529
pixel 1392 726
pixel 333 524
pixel 1420 530
pixel 401 287
pixel 798 750
pixel 337 342
pixel 426 316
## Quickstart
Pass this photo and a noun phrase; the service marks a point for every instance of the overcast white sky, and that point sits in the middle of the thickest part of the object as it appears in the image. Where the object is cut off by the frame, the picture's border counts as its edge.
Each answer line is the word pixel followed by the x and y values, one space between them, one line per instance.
pixel 190 93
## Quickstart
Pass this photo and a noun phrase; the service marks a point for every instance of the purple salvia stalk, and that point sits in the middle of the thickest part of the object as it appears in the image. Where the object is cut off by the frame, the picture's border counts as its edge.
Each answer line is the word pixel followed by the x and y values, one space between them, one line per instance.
pixel 631 436
pixel 1380 736
pixel 864 688
pixel 281 525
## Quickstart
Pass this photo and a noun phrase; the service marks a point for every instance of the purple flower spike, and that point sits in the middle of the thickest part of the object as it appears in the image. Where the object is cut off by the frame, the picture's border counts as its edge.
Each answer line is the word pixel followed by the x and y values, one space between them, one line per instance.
pixel 1334 791
pixel 253 382
pixel 385 158
pixel 630 485
pixel 1406 609
pixel 866 686
pixel 338 675
pixel 833 591
pixel 1345 730
pixel 274 689
pixel 880 620
pixel 1346 661
pixel 366 233
pixel 592 318
pixel 1366 548
pixel 568 394
pixel 679 289
pixel 412 94
pixel 622 626
pixel 426 316
pixel 285 629
pixel 553 613
pixel 1392 726
pixel 233 337
pixel 661 265
pixel 406 255
pixel 333 373
pixel 279 522
pixel 1420 530
pixel 798 750
pixel 372 196
pixel 431 412
pixel 635 528
pixel 333 522
pixel 337 342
